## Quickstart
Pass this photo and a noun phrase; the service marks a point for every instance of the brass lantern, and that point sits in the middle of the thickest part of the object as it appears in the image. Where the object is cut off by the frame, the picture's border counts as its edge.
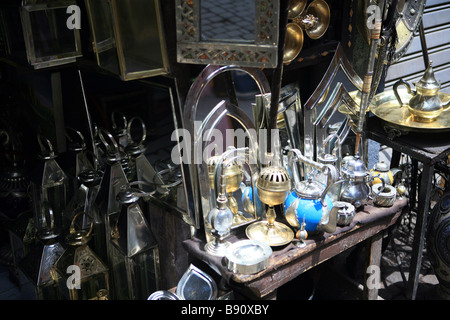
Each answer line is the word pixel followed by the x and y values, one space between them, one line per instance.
pixel 128 37
pixel 134 250
pixel 83 274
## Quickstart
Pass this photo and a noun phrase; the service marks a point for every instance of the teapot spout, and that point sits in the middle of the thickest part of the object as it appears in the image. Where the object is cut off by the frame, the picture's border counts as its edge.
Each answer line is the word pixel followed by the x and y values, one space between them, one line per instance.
pixel 329 221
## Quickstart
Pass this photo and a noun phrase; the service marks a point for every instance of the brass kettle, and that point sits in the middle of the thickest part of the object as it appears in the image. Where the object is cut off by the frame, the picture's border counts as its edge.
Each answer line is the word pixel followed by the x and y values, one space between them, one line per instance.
pixel 425 104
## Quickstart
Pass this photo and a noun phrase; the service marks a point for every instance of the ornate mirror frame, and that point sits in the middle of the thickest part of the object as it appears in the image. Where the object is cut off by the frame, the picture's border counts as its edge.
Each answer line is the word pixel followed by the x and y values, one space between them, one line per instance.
pixel 261 53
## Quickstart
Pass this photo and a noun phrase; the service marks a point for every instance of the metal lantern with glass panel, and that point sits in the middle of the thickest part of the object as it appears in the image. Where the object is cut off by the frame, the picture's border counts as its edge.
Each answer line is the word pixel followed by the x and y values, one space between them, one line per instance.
pixel 38 264
pixel 49 188
pixel 48 39
pixel 128 37
pixel 134 250
pixel 84 275
pixel 84 200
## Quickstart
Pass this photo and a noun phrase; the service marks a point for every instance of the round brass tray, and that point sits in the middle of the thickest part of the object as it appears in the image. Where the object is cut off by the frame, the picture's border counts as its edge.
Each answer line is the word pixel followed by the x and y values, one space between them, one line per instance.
pixel 278 235
pixel 386 107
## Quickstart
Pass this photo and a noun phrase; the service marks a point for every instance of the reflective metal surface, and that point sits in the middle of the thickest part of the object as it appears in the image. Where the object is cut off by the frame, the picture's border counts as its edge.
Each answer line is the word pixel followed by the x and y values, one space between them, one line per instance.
pixel 386 107
pixel 294 42
pixel 191 111
pixel 278 234
pixel 320 10
pixel 163 295
pixel 425 104
pixel 248 256
pixel 196 284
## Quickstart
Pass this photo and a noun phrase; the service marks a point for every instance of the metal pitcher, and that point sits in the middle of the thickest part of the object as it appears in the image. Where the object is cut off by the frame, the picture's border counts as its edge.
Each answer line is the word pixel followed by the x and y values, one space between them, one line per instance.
pixel 425 104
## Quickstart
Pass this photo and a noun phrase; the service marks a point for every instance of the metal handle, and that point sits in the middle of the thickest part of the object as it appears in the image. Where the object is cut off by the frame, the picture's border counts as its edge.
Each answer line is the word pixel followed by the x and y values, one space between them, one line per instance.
pixel 72 229
pixel 107 145
pixel 78 133
pixel 144 130
pixel 43 148
pixel 113 120
pixel 395 89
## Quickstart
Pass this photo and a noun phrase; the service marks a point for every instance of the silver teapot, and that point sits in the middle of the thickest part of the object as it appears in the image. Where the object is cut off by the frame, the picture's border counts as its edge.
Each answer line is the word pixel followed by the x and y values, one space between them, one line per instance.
pixel 356 188
pixel 425 104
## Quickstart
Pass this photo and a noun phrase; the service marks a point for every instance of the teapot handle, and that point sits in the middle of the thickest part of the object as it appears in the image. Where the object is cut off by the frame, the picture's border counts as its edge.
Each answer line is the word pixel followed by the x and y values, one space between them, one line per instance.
pixel 324 193
pixel 395 89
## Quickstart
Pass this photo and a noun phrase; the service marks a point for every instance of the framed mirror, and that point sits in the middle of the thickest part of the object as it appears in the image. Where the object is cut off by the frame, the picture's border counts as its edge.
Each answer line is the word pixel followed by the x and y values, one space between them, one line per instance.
pixel 333 106
pixel 216 32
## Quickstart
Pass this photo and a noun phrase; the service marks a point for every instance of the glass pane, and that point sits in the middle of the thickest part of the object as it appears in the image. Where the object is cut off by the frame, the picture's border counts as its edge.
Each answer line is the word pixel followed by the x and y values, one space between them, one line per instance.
pixel 51 37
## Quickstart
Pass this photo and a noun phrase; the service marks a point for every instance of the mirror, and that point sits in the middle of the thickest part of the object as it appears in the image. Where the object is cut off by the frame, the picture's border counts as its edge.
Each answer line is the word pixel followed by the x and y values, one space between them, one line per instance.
pixel 333 106
pixel 220 21
pixel 241 33
pixel 219 100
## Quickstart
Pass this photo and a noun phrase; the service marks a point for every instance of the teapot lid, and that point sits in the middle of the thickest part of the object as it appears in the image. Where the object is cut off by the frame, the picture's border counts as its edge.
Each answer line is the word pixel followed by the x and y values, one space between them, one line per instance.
pixel 428 81
pixel 354 167
pixel 309 189
pixel 381 166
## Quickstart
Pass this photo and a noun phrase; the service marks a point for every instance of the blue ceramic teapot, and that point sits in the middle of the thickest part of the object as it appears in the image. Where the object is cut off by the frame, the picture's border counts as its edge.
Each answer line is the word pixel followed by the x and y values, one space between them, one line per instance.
pixel 309 202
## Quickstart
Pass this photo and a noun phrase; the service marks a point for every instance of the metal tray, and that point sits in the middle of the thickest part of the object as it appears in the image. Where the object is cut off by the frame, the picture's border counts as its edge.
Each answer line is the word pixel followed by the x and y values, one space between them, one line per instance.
pixel 386 107
pixel 248 256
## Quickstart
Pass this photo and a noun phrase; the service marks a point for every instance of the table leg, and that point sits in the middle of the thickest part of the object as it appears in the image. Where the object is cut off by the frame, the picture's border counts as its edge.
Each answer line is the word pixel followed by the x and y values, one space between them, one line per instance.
pixel 372 276
pixel 419 230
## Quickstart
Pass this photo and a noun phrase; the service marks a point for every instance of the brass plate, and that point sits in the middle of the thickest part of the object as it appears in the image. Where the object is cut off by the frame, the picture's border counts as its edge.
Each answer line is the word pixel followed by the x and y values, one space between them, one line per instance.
pixel 279 235
pixel 386 107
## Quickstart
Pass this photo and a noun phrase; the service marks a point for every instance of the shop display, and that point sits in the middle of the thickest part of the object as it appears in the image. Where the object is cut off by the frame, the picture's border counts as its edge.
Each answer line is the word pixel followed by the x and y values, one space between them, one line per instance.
pixel 255 184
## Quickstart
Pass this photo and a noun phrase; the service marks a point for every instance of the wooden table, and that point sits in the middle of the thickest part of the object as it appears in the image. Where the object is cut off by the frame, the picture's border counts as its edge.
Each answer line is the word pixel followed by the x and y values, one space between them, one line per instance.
pixel 429 149
pixel 289 261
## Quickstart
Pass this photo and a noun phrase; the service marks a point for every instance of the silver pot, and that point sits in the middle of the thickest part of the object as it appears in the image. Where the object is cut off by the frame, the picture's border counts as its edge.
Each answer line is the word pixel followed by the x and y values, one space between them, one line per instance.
pixel 356 188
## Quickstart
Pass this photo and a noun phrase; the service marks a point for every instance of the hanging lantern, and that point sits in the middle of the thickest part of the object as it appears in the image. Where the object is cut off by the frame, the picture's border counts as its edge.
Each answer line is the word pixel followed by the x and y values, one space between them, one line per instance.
pixel 84 275
pixel 49 187
pixel 135 255
pixel 114 178
pixel 38 264
pixel 84 200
